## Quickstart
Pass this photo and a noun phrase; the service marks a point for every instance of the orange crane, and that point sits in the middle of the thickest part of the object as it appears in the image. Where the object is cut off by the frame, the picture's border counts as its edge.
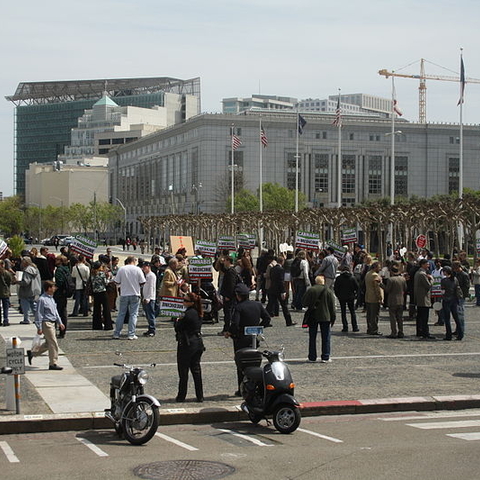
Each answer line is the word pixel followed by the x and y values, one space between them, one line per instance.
pixel 422 89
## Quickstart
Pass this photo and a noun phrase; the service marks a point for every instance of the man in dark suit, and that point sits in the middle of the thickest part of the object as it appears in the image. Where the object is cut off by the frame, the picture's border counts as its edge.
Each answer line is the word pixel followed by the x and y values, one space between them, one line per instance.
pixel 276 292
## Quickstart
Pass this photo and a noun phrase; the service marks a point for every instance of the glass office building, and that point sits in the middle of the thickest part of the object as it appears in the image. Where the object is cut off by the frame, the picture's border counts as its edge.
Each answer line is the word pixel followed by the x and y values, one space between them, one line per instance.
pixel 46 112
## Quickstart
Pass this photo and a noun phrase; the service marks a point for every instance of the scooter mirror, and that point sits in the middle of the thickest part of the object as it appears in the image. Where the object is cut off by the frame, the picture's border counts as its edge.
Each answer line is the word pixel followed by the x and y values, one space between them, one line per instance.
pixel 6 370
pixel 118 353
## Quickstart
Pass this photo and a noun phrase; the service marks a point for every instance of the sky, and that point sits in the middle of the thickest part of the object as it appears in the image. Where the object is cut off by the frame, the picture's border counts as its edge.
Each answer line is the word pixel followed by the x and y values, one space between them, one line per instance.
pixel 302 49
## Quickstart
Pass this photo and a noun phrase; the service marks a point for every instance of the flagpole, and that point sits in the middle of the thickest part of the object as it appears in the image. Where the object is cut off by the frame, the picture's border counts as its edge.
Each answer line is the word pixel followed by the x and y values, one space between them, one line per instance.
pixel 232 178
pixel 339 160
pixel 392 155
pixel 460 161
pixel 296 166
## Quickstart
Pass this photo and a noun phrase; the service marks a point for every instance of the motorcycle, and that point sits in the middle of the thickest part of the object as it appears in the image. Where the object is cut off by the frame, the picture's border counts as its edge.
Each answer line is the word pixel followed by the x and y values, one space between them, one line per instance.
pixel 134 414
pixel 268 390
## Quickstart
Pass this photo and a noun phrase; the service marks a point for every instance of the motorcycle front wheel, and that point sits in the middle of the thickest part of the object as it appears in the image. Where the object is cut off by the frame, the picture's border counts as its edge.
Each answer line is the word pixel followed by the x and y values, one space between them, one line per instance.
pixel 286 418
pixel 140 421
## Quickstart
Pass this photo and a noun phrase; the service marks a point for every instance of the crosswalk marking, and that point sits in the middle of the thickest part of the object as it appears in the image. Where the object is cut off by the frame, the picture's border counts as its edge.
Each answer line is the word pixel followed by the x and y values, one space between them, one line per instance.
pixel 92 447
pixel 175 441
pixel 11 457
pixel 465 436
pixel 434 425
pixel 245 437
pixel 319 435
pixel 426 416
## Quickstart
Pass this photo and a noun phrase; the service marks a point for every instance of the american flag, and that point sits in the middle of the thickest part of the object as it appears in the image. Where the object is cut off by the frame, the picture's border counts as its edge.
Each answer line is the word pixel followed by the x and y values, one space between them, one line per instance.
pixel 263 137
pixel 337 121
pixel 462 81
pixel 236 142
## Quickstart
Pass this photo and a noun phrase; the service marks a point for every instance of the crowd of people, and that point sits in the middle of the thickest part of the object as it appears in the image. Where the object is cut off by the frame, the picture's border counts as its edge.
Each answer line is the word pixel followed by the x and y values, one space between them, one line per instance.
pixel 302 281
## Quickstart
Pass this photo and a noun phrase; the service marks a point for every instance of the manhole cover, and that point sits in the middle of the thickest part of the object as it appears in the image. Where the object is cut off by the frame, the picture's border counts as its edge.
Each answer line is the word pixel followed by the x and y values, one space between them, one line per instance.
pixel 183 470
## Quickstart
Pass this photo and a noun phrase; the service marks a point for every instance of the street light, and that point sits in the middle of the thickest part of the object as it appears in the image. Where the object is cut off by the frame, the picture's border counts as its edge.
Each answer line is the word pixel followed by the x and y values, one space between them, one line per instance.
pixel 125 218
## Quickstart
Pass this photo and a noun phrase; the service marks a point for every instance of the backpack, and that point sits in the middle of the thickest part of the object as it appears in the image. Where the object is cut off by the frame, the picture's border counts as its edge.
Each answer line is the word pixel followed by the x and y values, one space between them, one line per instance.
pixel 295 269
pixel 69 285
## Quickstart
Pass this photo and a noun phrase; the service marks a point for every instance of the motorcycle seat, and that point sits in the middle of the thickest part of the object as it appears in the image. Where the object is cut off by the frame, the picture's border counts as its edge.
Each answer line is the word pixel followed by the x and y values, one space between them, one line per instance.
pixel 116 381
pixel 254 373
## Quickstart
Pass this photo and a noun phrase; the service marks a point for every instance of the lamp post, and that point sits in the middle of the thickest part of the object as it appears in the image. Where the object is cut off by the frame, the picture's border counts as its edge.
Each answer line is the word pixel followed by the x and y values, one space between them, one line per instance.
pixel 125 219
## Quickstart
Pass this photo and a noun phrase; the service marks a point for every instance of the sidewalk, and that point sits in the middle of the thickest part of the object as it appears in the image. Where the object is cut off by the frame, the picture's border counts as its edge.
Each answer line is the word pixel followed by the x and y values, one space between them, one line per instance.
pixel 367 374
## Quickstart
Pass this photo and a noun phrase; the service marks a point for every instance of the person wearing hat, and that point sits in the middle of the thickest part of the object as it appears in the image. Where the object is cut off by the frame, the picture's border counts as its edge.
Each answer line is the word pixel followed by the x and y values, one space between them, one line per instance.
pixel 395 289
pixel 246 314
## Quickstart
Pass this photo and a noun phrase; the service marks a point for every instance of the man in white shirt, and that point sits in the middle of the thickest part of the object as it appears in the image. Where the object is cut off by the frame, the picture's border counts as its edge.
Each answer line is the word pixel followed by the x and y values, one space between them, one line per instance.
pixel 130 278
pixel 80 273
pixel 149 297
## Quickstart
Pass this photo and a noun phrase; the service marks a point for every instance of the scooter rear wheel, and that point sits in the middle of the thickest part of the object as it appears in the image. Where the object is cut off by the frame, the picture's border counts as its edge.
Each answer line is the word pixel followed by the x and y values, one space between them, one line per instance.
pixel 286 418
pixel 254 417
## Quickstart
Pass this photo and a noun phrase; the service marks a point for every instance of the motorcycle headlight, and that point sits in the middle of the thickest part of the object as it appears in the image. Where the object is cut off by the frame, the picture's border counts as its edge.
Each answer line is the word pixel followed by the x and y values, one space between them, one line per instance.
pixel 142 377
pixel 281 356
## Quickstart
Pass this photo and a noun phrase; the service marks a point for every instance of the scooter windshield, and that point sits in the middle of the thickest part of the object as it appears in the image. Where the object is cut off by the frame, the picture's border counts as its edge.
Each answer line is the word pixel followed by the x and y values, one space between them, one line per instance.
pixel 278 369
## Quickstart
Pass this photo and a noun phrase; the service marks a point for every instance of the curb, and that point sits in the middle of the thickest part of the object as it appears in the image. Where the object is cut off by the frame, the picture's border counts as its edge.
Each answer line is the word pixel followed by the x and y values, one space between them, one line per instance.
pixel 15 424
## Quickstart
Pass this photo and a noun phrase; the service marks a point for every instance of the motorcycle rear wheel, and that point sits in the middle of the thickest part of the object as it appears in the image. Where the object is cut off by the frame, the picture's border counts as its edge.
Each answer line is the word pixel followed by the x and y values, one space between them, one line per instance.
pixel 286 418
pixel 140 421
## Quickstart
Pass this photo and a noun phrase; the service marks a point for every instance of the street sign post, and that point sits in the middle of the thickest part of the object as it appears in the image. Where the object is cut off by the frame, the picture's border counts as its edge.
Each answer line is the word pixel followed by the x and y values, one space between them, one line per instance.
pixel 16 360
pixel 254 331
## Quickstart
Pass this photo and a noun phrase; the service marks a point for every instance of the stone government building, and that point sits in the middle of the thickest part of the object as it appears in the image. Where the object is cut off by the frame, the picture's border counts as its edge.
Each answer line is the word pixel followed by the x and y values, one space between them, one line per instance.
pixel 186 168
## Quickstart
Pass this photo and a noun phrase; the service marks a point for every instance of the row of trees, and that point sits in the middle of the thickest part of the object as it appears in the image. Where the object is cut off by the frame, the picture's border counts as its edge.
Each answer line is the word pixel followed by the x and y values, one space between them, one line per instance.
pixel 36 222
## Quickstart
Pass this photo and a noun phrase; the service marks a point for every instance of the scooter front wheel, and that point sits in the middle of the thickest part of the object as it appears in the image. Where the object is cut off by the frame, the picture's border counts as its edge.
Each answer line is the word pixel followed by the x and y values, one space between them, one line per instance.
pixel 286 418
pixel 140 421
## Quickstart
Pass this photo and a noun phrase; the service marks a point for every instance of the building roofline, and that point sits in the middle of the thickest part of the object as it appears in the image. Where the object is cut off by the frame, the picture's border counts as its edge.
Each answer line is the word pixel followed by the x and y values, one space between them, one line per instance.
pixel 31 93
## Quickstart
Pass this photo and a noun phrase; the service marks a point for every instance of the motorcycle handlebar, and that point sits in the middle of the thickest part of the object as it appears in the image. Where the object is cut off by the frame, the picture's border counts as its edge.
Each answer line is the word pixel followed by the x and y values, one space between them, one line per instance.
pixel 119 364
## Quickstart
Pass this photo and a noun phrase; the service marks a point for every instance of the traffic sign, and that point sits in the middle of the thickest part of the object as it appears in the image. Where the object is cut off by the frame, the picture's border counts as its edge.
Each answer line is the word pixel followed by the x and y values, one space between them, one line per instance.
pixel 16 360
pixel 421 241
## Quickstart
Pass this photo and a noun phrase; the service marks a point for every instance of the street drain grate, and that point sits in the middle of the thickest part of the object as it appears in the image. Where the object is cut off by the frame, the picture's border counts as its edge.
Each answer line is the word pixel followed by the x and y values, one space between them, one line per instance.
pixel 183 470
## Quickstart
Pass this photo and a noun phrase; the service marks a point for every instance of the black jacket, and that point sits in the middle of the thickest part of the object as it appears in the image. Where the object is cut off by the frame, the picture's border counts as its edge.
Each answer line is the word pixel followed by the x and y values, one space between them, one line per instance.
pixel 188 330
pixel 277 275
pixel 230 280
pixel 247 314
pixel 345 287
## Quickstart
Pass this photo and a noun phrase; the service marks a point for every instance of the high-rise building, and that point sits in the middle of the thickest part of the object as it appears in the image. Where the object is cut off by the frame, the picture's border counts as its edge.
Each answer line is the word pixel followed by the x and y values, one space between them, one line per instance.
pixel 46 112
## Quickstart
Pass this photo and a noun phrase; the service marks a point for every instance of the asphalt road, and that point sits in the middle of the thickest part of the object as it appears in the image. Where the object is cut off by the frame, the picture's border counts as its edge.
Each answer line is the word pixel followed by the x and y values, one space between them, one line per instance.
pixel 438 445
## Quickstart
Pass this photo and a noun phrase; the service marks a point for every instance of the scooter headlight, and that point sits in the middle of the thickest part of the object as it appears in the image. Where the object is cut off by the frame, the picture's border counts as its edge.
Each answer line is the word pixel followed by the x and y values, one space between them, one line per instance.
pixel 142 377
pixel 281 356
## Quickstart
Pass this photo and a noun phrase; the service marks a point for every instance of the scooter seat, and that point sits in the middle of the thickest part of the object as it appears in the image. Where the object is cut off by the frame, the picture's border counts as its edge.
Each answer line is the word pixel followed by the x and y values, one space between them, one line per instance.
pixel 116 381
pixel 254 373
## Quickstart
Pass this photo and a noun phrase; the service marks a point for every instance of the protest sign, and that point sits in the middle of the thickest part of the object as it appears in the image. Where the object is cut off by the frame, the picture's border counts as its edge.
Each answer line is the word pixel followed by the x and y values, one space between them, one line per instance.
pixel 200 268
pixel 178 242
pixel 205 248
pixel 83 245
pixel 307 240
pixel 339 251
pixel 171 306
pixel 246 240
pixel 226 242
pixel 349 235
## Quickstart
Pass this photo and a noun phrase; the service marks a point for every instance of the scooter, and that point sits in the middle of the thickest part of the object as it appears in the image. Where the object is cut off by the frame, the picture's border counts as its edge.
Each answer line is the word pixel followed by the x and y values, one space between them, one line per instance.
pixel 268 390
pixel 134 414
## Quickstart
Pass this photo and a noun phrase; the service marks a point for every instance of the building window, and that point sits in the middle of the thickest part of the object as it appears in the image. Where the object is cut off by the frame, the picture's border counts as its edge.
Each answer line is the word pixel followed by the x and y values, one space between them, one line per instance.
pixel 103 151
pixel 453 175
pixel 291 171
pixel 351 136
pixel 317 135
pixel 118 141
pixel 324 135
pixel 348 173
pixel 401 176
pixel 104 141
pixel 321 172
pixel 375 174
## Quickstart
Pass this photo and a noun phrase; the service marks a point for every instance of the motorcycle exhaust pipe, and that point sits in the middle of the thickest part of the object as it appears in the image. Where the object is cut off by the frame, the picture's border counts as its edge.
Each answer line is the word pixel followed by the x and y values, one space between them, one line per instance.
pixel 108 414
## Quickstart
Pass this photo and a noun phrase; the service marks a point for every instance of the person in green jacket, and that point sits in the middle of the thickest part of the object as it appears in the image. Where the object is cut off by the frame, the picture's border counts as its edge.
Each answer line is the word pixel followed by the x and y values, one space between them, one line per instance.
pixel 320 302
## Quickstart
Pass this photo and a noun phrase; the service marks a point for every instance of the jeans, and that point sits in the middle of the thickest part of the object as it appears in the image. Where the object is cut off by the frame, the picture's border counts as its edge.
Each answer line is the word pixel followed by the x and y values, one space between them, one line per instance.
pixel 422 321
pixel 130 304
pixel 274 299
pixel 477 294
pixel 461 313
pixel 312 343
pixel 300 289
pixel 451 306
pixel 81 304
pixel 351 308
pixel 28 304
pixel 5 302
pixel 149 309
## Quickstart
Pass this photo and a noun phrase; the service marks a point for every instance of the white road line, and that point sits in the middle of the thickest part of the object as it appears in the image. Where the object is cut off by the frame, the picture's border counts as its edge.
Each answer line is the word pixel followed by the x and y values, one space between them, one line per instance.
pixel 319 435
pixel 11 457
pixel 434 425
pixel 245 437
pixel 431 415
pixel 176 442
pixel 465 436
pixel 302 359
pixel 92 447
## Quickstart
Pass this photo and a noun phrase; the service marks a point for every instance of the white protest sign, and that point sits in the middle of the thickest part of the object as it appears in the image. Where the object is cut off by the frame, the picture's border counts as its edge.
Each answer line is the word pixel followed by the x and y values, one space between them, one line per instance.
pixel 84 245
pixel 226 242
pixel 200 268
pixel 307 240
pixel 207 249
pixel 171 306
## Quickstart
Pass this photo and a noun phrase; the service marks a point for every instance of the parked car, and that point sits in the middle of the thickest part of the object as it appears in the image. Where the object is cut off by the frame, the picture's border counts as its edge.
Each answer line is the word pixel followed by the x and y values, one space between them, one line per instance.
pixel 67 241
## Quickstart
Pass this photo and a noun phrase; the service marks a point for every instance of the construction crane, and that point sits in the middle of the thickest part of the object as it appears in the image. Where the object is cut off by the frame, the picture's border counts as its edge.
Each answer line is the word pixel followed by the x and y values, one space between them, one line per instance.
pixel 422 89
